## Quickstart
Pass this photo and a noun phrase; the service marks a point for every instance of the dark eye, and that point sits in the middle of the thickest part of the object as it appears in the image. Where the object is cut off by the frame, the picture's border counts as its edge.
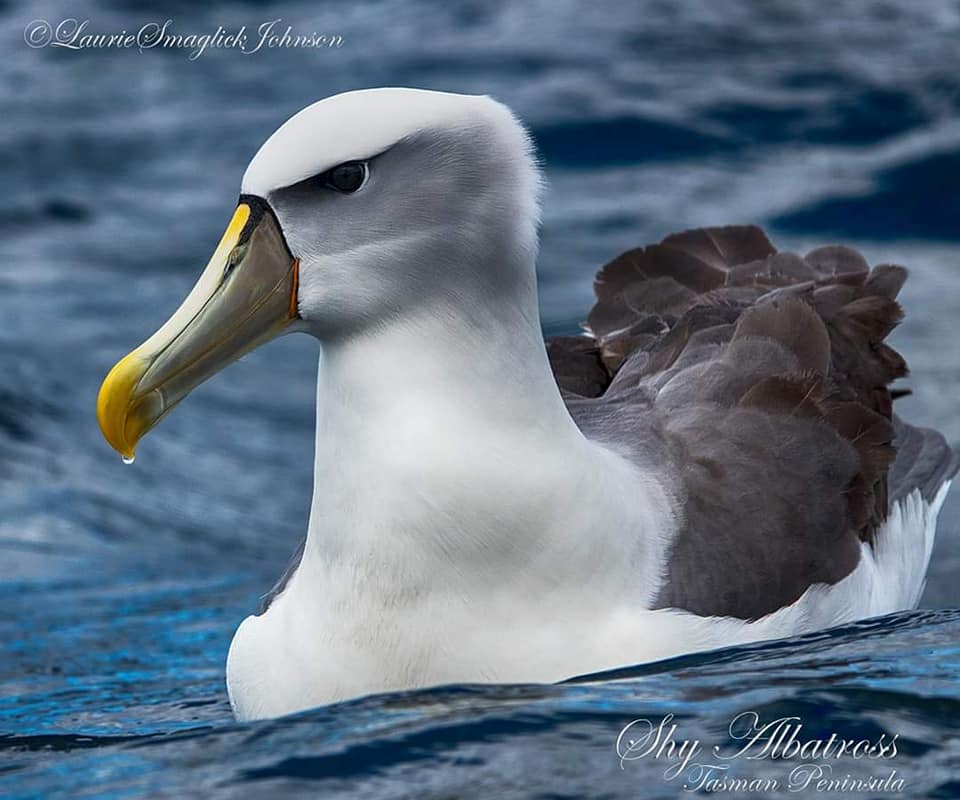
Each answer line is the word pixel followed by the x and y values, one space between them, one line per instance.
pixel 346 177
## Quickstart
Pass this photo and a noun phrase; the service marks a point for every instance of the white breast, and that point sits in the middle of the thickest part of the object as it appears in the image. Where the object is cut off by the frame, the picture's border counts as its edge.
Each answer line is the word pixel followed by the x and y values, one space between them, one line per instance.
pixel 493 573
pixel 316 646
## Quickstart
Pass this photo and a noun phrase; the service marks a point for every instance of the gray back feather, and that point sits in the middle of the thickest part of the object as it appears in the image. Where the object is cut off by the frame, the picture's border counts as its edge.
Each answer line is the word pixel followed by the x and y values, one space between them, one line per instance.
pixel 759 382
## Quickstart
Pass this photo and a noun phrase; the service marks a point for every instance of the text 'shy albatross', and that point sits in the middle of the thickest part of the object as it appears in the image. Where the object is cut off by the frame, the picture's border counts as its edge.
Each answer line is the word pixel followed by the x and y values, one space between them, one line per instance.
pixel 717 462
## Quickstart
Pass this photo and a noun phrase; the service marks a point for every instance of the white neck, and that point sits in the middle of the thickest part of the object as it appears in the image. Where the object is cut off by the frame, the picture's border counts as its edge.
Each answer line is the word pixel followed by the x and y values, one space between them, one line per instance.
pixel 445 456
pixel 413 418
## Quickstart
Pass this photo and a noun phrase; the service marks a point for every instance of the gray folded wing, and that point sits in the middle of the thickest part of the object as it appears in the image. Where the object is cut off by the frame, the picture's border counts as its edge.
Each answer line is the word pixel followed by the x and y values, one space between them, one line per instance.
pixel 757 382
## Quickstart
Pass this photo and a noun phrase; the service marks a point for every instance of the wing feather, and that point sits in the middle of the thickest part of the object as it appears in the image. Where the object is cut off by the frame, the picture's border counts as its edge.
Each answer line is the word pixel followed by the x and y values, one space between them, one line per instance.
pixel 760 382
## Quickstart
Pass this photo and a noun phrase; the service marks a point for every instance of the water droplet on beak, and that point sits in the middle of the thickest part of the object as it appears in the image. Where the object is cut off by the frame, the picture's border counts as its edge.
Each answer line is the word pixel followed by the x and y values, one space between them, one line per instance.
pixel 127 459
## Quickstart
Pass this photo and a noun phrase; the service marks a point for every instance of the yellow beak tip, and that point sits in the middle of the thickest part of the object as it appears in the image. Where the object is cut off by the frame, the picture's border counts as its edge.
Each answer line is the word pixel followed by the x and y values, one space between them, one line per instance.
pixel 113 403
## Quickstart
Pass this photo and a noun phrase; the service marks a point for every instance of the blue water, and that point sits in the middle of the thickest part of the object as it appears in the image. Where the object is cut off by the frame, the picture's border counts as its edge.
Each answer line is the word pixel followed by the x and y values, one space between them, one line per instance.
pixel 121 586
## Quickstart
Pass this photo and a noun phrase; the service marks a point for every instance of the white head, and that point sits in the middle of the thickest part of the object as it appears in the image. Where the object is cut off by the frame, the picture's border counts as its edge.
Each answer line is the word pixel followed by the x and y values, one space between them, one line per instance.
pixel 447 209
pixel 362 210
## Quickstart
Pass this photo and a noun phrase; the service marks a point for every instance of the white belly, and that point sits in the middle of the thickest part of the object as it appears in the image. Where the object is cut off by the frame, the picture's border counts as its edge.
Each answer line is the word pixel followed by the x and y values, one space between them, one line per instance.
pixel 306 651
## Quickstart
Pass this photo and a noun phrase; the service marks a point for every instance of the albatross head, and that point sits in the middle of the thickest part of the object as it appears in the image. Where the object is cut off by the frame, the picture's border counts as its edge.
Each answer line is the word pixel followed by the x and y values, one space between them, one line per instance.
pixel 365 209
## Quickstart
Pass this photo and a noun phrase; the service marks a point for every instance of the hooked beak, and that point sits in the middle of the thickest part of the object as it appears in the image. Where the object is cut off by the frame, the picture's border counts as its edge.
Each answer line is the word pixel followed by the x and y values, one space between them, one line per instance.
pixel 247 295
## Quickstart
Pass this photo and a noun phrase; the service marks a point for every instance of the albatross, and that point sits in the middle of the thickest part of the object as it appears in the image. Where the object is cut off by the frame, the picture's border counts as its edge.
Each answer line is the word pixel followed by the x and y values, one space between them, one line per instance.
pixel 715 461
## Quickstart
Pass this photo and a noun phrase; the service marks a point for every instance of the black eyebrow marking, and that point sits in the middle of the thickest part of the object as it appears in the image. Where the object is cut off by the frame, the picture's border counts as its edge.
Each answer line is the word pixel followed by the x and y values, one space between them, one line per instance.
pixel 304 182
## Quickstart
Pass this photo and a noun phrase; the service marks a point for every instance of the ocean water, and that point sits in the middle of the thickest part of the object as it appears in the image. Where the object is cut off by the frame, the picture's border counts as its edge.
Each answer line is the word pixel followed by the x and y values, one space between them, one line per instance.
pixel 121 586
